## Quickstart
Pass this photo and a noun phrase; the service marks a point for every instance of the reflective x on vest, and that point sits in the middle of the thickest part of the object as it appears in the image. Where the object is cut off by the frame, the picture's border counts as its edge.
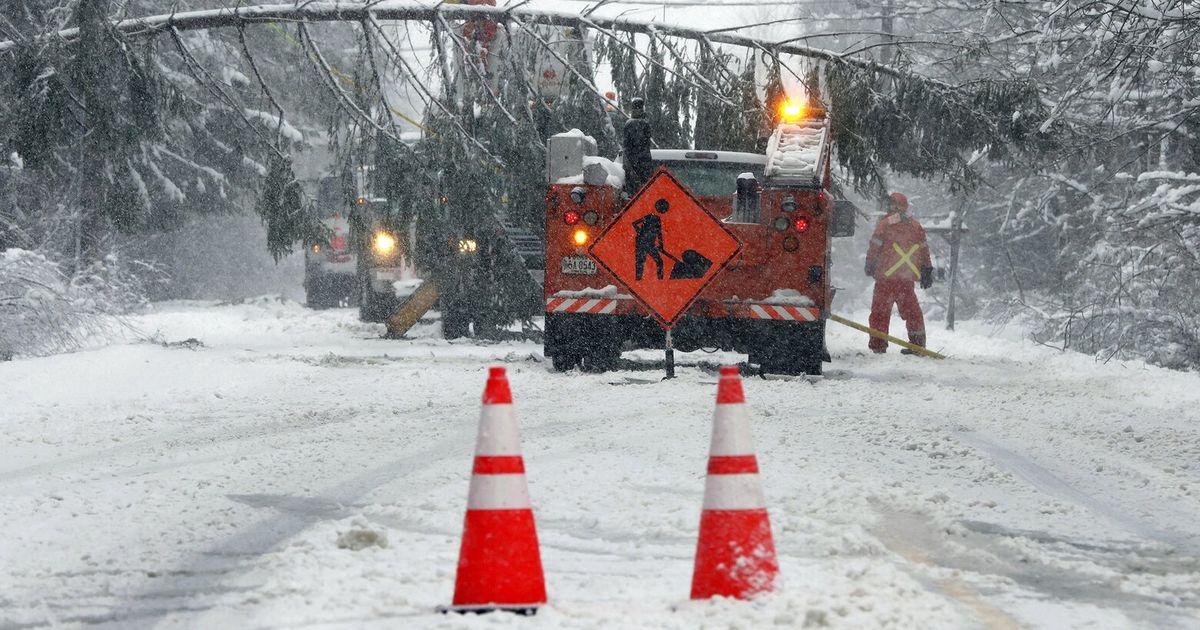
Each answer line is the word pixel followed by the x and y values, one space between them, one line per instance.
pixel 905 259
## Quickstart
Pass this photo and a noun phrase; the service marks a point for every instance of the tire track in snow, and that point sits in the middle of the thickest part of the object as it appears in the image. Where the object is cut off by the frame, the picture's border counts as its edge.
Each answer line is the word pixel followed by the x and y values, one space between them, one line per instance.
pixel 905 537
pixel 1048 482
pixel 254 541
pixel 292 516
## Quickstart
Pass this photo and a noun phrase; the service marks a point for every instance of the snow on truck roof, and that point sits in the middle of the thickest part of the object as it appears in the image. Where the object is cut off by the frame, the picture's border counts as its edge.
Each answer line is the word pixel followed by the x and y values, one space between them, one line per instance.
pixel 680 155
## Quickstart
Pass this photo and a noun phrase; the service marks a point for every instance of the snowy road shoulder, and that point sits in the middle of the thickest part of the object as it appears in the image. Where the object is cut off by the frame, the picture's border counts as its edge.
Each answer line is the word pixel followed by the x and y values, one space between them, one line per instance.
pixel 1008 486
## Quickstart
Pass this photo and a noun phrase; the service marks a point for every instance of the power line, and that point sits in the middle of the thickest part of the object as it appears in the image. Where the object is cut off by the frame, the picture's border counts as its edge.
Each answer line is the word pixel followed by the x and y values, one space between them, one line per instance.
pixel 692 3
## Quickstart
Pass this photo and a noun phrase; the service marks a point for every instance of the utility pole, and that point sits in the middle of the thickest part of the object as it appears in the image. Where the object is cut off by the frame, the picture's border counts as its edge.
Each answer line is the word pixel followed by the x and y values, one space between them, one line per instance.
pixel 956 233
pixel 886 24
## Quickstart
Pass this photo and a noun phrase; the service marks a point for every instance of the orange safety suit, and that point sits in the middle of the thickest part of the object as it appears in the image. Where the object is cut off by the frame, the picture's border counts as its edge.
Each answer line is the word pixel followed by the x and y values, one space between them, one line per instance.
pixel 896 259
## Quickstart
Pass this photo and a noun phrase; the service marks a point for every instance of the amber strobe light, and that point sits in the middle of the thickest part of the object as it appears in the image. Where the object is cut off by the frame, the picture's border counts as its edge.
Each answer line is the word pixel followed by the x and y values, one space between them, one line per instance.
pixel 580 237
pixel 384 243
pixel 792 110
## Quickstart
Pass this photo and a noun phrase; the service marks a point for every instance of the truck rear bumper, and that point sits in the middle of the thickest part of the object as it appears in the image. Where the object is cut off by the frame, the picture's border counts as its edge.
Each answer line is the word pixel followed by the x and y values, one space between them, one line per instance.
pixel 576 332
pixel 618 304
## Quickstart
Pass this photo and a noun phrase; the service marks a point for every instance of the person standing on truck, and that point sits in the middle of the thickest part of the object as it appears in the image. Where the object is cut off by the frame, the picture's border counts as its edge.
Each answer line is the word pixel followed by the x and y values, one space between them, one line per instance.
pixel 897 257
pixel 636 147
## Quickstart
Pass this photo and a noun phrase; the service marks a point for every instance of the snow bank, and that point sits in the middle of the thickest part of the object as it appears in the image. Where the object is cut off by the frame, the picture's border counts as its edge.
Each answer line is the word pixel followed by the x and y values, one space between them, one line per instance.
pixel 46 311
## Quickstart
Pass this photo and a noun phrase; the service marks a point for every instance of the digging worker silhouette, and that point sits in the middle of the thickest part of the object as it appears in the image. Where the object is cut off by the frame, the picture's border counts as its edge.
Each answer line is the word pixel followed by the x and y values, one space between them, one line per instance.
pixel 635 148
pixel 649 240
pixel 897 257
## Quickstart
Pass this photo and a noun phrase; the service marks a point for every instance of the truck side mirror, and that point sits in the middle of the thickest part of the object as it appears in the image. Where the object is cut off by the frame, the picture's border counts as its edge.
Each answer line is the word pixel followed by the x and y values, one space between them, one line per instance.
pixel 844 213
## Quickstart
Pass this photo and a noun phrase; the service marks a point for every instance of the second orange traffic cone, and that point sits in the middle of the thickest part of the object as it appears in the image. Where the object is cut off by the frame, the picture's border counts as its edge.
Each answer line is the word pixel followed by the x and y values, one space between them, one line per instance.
pixel 735 554
pixel 499 564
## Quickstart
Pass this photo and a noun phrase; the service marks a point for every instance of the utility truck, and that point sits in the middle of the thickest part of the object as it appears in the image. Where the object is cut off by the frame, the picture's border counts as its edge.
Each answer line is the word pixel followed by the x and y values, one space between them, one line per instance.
pixel 772 300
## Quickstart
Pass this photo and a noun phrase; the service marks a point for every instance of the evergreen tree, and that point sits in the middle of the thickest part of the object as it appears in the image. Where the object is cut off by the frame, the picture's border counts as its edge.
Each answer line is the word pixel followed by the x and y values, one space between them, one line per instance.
pixel 662 102
pixel 775 95
pixel 751 120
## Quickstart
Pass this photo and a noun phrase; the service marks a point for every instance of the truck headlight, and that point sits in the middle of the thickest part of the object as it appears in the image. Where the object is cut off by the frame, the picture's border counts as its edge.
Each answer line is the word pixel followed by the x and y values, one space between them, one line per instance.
pixel 384 244
pixel 467 246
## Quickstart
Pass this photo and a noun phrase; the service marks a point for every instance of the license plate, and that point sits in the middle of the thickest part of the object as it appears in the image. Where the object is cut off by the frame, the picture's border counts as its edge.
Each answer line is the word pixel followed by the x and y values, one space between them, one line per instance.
pixel 578 265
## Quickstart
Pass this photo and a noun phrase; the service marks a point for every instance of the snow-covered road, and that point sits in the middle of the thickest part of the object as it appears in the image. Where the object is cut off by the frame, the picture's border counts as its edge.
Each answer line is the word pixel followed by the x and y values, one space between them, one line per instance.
pixel 1010 486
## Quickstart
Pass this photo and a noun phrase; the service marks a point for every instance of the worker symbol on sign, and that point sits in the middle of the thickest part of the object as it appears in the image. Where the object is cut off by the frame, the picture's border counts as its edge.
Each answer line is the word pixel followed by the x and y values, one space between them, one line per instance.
pixel 649 244
pixel 667 225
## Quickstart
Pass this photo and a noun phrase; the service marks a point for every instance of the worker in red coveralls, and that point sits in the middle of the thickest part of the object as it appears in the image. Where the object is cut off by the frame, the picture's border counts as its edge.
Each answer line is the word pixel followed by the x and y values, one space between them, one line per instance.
pixel 898 257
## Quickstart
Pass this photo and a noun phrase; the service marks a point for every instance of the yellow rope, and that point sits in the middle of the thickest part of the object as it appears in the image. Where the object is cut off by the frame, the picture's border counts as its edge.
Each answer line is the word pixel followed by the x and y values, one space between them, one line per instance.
pixel 882 335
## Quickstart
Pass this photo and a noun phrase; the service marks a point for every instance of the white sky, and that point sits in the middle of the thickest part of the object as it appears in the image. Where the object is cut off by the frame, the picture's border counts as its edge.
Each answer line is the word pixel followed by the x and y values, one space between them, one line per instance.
pixel 714 14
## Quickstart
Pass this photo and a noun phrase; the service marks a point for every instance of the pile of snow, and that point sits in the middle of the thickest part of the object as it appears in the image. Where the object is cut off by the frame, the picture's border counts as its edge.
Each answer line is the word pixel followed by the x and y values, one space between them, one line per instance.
pixel 362 535
pixel 575 133
pixel 609 291
pixel 794 151
pixel 44 310
pixel 407 287
pixel 614 173
pixel 789 297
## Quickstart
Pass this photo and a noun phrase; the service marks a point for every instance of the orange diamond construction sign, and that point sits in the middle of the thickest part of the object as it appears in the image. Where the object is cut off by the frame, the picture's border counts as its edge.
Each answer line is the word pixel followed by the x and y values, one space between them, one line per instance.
pixel 665 247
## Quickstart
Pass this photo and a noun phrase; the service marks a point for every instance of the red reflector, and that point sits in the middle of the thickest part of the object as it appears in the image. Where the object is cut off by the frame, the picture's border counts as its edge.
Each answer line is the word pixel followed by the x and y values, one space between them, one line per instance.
pixel 824 201
pixel 801 224
pixel 571 217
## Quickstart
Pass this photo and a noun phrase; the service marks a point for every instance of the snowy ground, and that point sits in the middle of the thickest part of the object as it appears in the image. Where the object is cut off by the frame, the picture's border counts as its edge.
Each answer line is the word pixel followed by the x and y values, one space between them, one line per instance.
pixel 1010 486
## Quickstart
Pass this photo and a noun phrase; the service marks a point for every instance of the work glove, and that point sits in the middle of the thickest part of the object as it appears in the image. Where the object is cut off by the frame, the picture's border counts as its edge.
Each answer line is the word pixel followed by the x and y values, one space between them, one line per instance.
pixel 870 269
pixel 926 277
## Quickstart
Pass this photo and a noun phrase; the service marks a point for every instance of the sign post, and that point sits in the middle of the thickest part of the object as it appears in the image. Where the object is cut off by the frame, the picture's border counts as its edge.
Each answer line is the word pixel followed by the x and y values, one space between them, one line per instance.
pixel 669 358
pixel 665 248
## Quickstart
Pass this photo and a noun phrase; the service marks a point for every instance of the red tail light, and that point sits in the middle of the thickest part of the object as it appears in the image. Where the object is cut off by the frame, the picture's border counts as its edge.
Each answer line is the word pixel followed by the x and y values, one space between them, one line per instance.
pixel 571 217
pixel 801 224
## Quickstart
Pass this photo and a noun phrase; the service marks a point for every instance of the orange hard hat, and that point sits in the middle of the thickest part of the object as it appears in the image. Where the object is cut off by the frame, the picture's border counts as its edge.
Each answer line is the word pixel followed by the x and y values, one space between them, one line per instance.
pixel 900 200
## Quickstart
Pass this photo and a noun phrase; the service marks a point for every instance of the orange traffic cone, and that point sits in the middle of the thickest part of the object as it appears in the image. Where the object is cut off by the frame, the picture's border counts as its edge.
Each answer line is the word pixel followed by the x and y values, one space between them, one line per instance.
pixel 499 564
pixel 735 555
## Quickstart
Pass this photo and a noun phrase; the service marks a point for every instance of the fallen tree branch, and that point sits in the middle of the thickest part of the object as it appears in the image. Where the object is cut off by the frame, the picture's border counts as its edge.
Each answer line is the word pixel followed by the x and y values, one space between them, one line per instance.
pixel 413 10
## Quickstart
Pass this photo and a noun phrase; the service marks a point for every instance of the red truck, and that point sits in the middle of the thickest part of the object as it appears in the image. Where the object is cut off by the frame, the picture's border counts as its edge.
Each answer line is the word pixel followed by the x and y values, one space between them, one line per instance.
pixel 772 300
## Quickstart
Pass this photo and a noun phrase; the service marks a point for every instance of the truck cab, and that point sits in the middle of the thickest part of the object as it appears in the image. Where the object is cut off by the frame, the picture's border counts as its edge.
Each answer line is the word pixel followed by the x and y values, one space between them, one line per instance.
pixel 384 273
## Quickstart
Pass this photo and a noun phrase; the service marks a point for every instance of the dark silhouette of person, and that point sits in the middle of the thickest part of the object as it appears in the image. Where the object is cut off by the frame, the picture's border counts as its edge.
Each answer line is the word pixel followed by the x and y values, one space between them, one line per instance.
pixel 649 240
pixel 635 146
